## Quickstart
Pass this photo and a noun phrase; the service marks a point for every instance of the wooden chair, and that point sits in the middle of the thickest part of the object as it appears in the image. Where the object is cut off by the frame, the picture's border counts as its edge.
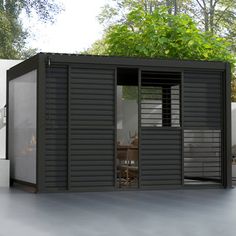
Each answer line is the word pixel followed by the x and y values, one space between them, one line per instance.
pixel 121 161
pixel 132 166
pixel 127 164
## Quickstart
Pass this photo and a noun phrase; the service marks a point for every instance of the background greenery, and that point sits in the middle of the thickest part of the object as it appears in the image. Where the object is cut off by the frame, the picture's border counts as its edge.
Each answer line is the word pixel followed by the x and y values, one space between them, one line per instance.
pixel 12 33
pixel 180 29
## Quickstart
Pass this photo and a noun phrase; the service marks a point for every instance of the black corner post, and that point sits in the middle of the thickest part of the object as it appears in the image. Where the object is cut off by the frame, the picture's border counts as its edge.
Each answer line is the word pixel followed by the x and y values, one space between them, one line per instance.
pixel 41 94
pixel 227 129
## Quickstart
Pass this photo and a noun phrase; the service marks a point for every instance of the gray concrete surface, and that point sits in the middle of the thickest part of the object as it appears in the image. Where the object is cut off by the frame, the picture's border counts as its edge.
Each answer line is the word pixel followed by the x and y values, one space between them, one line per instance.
pixel 146 213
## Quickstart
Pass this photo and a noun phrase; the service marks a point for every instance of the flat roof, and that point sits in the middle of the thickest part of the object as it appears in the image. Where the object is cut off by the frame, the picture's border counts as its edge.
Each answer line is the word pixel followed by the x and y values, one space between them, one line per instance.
pixel 133 61
pixel 37 61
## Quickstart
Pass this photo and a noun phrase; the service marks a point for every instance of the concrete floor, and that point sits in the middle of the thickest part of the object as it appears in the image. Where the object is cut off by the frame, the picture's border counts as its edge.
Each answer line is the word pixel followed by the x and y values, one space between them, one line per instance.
pixel 139 213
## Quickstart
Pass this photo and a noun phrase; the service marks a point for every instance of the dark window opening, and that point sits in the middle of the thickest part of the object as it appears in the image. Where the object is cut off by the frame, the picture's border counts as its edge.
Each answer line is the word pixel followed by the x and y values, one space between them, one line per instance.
pixel 160 99
pixel 127 128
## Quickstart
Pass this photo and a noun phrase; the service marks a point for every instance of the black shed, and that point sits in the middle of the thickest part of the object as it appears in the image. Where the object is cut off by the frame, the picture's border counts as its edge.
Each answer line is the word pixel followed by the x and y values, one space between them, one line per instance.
pixel 96 123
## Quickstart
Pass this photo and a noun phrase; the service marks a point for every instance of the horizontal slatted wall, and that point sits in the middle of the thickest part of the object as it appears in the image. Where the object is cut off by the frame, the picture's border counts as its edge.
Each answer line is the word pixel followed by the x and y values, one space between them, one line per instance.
pixel 202 127
pixel 161 145
pixel 91 128
pixel 56 129
pixel 160 157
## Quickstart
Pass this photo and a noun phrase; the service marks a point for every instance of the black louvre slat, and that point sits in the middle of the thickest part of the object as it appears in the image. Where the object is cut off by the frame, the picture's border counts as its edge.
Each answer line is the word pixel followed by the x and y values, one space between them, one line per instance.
pixel 160 99
pixel 183 127
pixel 160 158
pixel 56 128
pixel 160 146
pixel 91 128
pixel 199 99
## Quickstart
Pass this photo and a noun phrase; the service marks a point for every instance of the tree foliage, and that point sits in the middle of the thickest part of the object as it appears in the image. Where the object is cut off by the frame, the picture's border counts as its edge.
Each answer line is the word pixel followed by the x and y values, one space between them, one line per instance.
pixel 218 17
pixel 12 32
pixel 215 16
pixel 117 10
pixel 159 34
pixel 11 37
pixel 99 47
pixel 45 9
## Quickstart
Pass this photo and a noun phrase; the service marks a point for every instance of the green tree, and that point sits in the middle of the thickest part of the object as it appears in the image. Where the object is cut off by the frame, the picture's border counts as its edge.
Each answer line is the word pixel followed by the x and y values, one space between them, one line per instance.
pixel 45 9
pixel 165 36
pixel 12 33
pixel 11 37
pixel 99 47
pixel 162 35
pixel 117 10
pixel 218 17
pixel 215 16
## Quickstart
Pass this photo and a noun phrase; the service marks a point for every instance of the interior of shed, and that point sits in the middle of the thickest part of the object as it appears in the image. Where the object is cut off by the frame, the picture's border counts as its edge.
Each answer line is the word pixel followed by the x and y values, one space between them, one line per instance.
pixel 127 128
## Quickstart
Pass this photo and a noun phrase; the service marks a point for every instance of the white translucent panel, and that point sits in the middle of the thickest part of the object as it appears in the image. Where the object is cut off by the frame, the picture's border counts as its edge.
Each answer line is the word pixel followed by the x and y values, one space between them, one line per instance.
pixel 5 64
pixel 22 127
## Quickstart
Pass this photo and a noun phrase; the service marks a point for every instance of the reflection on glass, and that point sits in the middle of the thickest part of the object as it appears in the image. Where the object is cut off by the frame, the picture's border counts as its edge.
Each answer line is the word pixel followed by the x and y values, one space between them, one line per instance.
pixel 202 156
pixel 160 106
pixel 127 136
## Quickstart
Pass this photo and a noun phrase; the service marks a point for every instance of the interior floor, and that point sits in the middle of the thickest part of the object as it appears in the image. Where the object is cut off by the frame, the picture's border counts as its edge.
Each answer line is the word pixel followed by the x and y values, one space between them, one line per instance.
pixel 199 182
pixel 202 212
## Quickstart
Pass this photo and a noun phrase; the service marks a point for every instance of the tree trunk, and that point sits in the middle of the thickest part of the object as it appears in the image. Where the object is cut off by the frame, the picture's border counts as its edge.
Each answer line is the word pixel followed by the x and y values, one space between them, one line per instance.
pixel 169 6
pixel 151 7
pixel 175 7
pixel 206 21
pixel 206 16
pixel 211 16
pixel 145 6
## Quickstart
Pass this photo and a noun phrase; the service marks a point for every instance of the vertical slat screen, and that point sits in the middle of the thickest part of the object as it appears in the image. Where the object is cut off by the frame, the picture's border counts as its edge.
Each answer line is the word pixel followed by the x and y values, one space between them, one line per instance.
pixel 202 127
pixel 56 129
pixel 161 145
pixel 91 128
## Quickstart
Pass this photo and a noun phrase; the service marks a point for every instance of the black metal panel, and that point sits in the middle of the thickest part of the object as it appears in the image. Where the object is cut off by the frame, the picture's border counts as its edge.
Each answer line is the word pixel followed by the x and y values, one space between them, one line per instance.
pixel 203 127
pixel 91 128
pixel 227 143
pixel 56 128
pixel 202 156
pixel 160 157
pixel 160 99
pixel 202 100
pixel 161 142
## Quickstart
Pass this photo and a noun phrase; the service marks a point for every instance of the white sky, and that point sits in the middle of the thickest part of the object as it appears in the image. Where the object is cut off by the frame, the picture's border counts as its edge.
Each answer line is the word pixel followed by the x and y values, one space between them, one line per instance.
pixel 75 29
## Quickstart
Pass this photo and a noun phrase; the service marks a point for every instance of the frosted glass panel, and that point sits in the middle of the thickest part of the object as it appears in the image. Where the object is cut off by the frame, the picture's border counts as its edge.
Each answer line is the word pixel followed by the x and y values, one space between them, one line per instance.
pixel 22 127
